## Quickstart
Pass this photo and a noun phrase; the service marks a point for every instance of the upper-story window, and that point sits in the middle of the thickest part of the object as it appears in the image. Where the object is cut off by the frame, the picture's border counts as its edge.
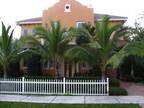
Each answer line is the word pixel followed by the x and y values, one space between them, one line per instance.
pixel 67 8
pixel 80 24
pixel 24 32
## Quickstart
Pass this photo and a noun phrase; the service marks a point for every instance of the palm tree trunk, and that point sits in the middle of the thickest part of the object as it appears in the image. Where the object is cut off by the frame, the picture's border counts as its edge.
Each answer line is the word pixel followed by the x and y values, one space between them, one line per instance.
pixel 62 69
pixel 5 71
pixel 55 64
pixel 73 69
pixel 132 71
pixel 103 70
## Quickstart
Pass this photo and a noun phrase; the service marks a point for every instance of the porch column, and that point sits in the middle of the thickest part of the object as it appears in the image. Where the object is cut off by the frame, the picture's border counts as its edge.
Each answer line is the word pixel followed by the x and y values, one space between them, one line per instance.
pixel 77 68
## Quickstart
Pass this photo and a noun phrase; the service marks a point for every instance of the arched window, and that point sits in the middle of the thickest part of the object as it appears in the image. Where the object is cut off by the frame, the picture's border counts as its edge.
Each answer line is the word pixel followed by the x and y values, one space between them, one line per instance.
pixel 67 8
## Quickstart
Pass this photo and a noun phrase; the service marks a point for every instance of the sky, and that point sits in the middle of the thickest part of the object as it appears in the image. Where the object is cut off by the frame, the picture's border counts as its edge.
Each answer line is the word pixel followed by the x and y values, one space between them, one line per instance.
pixel 15 10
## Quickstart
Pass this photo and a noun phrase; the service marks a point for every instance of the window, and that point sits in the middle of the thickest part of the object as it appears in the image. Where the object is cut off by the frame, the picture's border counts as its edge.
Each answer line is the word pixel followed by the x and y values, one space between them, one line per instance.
pixel 33 31
pixel 80 24
pixel 67 8
pixel 24 32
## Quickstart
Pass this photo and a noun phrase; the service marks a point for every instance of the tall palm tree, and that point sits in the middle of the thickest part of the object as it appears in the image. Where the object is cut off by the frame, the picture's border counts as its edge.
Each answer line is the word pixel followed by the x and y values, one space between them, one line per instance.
pixel 7 48
pixel 107 35
pixel 83 49
pixel 55 43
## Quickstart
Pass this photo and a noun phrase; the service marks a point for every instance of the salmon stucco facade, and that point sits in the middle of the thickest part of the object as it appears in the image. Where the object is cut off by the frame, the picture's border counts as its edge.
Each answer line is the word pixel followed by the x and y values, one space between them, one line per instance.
pixel 70 13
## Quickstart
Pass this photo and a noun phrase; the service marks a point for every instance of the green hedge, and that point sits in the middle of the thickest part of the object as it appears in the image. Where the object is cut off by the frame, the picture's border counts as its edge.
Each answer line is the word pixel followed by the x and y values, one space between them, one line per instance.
pixel 114 83
pixel 117 91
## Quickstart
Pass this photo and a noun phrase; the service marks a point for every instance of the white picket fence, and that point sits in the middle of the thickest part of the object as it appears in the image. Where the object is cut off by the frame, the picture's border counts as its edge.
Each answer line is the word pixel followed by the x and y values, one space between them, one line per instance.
pixel 55 86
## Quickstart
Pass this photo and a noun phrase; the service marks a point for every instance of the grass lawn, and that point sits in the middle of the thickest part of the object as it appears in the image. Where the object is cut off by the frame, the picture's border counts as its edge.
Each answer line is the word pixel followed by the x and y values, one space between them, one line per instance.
pixel 26 105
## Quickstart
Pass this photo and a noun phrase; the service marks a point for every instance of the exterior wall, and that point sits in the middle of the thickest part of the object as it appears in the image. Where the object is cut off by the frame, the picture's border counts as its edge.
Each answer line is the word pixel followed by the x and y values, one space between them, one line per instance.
pixel 29 28
pixel 68 19
pixel 116 22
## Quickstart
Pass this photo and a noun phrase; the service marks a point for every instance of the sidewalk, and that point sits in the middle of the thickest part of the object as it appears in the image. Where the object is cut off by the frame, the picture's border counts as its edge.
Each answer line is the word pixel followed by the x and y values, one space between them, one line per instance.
pixel 73 99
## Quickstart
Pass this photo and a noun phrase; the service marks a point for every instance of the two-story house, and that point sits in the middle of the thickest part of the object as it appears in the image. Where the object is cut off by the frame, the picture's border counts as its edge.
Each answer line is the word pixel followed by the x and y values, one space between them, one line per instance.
pixel 70 13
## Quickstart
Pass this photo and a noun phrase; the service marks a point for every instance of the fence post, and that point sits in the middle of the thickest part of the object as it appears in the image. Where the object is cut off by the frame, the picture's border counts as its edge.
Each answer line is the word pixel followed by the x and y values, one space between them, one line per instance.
pixel 108 86
pixel 23 79
pixel 64 85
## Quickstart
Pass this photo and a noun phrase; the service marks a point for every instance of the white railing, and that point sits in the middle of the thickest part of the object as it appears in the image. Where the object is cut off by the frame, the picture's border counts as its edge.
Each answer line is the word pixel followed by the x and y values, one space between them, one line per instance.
pixel 55 86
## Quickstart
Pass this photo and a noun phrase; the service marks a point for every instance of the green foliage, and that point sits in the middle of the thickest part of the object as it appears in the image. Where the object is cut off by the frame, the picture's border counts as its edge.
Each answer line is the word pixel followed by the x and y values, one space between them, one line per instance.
pixel 137 33
pixel 135 65
pixel 34 65
pixel 55 40
pixel 79 54
pixel 7 48
pixel 114 83
pixel 95 71
pixel 134 48
pixel 116 91
pixel 39 77
pixel 107 36
pixel 82 39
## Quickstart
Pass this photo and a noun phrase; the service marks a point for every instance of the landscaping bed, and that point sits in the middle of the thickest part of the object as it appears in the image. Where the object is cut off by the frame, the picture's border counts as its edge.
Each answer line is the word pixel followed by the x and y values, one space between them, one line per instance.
pixel 29 105
pixel 115 88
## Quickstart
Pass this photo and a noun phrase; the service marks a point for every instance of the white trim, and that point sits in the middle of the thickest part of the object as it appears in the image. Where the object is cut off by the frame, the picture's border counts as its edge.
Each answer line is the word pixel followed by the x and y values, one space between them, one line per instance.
pixel 79 22
pixel 30 22
pixel 67 10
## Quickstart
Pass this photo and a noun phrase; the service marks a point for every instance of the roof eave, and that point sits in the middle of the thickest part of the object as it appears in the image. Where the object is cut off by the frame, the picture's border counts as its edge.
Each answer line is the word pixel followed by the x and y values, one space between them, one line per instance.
pixel 29 22
pixel 112 19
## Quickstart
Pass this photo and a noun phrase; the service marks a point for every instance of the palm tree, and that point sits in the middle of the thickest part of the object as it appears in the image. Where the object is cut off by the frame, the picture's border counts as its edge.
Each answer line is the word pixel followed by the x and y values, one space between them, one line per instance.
pixel 83 49
pixel 107 35
pixel 7 48
pixel 134 47
pixel 55 43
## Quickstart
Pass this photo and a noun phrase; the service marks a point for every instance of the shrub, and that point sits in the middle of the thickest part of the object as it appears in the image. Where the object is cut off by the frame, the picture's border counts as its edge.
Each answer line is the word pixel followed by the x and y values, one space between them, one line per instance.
pixel 117 91
pixel 114 83
pixel 39 77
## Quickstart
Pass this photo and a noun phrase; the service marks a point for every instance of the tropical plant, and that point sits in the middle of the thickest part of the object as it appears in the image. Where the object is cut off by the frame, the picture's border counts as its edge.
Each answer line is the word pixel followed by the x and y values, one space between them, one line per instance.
pixel 108 35
pixel 7 48
pixel 84 46
pixel 55 43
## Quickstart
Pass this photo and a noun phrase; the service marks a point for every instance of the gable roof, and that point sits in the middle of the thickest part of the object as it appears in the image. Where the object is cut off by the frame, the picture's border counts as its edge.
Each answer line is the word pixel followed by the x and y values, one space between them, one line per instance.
pixel 98 17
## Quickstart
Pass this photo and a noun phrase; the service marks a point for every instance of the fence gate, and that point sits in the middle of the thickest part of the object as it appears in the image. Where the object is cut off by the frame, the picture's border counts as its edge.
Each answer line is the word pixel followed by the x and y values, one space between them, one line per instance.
pixel 55 86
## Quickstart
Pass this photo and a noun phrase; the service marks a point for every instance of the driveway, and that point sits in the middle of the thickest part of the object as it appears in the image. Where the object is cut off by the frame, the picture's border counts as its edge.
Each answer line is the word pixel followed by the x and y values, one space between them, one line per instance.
pixel 134 89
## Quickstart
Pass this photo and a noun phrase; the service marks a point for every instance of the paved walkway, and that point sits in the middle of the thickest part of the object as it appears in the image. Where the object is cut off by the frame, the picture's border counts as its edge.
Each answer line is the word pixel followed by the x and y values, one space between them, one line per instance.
pixel 134 89
pixel 73 99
